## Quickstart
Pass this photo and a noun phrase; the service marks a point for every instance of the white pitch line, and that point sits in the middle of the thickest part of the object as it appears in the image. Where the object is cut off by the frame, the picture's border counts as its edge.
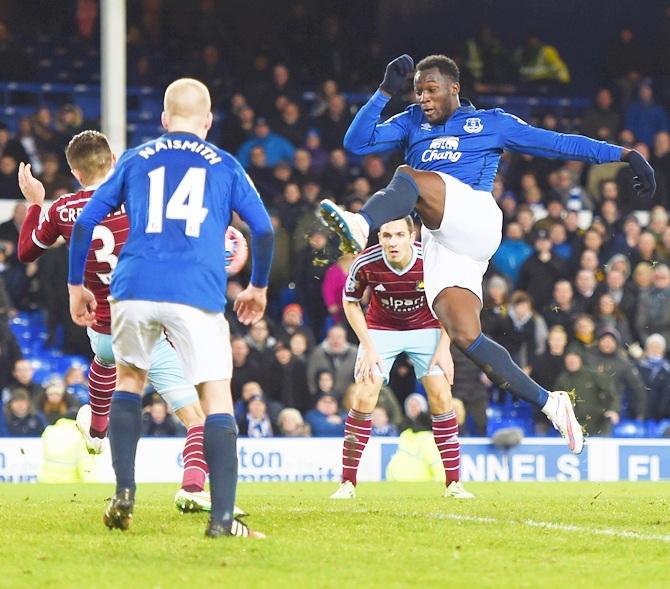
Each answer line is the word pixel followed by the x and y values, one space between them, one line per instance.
pixel 612 532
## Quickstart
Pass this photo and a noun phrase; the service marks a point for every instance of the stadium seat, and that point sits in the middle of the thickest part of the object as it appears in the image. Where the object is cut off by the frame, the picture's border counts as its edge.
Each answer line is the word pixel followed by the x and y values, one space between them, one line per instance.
pixel 629 428
pixel 656 429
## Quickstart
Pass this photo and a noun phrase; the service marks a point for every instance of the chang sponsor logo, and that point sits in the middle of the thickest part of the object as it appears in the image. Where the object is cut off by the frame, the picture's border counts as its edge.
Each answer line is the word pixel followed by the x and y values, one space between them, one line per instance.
pixel 442 148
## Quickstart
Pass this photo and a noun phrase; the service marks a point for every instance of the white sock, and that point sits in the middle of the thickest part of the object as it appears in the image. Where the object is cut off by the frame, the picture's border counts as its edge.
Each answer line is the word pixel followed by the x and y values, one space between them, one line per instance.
pixel 363 224
pixel 551 406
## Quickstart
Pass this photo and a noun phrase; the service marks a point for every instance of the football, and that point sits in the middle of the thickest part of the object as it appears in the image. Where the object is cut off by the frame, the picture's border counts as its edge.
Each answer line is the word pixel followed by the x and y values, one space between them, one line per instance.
pixel 237 251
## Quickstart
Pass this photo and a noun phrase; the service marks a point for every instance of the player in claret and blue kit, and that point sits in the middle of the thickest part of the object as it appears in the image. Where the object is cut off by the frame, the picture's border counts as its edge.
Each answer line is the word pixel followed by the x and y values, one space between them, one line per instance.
pixel 398 320
pixel 179 192
pixel 453 151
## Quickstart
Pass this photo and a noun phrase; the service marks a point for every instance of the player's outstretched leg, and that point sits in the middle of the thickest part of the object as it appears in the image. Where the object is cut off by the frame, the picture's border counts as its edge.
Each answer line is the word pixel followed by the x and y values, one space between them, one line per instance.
pixel 395 201
pixel 93 419
pixel 458 310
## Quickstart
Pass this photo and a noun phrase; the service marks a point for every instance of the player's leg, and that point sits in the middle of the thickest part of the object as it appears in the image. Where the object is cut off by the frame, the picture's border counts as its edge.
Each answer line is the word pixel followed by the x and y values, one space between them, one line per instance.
pixel 134 334
pixel 93 419
pixel 202 342
pixel 408 189
pixel 421 345
pixel 458 310
pixel 357 429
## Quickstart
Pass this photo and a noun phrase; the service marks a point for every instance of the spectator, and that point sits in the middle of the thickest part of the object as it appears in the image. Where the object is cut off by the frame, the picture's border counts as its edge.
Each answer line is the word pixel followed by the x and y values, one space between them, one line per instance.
pixel 299 347
pixel 156 421
pixel 213 72
pixel 15 63
pixel 541 270
pixel 290 125
pixel 337 175
pixel 335 354
pixel 601 121
pixel 260 342
pixel 293 322
pixel 562 310
pixel 55 182
pixel 609 317
pixel 609 359
pixel 302 167
pixel 653 311
pixel 660 158
pixel 237 128
pixel 288 384
pixel 9 230
pixel 22 377
pixel 256 423
pixel 76 384
pixel 525 332
pixel 318 155
pixel 417 417
pixel 334 123
pixel 291 424
pixel 586 293
pixel 276 147
pixel 626 62
pixel 598 406
pixel 469 388
pixel 9 356
pixel 290 207
pixel 655 373
pixel 55 403
pixel 333 287
pixel 548 365
pixel 20 415
pixel 585 336
pixel 381 425
pixel 623 293
pixel 246 368
pixel 496 301
pixel 309 268
pixel 540 64
pixel 645 118
pixel 626 243
pixel 512 253
pixel 326 420
pixel 9 184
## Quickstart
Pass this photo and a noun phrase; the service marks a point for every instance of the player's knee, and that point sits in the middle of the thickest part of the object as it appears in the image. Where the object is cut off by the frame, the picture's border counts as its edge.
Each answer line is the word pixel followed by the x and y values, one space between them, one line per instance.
pixel 463 338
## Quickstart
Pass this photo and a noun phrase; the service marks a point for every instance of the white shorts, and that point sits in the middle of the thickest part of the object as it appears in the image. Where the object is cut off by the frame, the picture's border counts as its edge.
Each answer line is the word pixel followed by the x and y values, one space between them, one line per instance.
pixel 201 338
pixel 458 253
pixel 418 344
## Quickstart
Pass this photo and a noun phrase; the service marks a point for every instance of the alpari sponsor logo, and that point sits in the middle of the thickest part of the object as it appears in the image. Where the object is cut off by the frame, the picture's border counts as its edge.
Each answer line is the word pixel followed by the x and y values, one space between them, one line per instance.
pixel 402 304
pixel 442 148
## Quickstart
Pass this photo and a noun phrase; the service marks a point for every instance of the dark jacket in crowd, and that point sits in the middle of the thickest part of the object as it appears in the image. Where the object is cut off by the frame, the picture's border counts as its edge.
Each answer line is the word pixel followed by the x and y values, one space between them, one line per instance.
pixel 656 377
pixel 537 278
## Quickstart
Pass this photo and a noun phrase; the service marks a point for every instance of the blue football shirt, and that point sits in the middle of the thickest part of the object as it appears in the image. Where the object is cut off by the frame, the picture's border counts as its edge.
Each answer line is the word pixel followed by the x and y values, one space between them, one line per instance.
pixel 179 192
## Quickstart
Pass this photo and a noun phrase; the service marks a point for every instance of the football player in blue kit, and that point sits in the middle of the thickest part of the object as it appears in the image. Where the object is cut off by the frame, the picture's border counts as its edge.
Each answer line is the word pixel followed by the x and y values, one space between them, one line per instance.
pixel 179 192
pixel 453 151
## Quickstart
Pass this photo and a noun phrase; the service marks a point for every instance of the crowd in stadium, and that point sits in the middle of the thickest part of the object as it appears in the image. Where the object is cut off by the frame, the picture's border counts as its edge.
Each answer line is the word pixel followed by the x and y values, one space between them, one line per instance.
pixel 578 292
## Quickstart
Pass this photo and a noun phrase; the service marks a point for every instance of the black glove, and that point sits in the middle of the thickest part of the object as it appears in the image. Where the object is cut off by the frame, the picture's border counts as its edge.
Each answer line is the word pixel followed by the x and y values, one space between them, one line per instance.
pixel 396 74
pixel 644 179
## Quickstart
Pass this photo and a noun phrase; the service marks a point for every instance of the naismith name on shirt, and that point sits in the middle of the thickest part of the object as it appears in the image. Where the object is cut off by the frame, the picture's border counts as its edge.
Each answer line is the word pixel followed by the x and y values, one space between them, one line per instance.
pixel 208 154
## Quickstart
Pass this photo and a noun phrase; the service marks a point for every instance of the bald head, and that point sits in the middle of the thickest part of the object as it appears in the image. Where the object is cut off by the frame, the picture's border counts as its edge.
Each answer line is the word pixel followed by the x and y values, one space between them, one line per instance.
pixel 187 107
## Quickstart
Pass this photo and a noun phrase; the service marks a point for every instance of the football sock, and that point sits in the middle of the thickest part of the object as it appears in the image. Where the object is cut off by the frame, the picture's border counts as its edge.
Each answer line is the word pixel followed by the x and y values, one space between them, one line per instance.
pixel 498 365
pixel 101 385
pixel 221 457
pixel 125 427
pixel 445 432
pixel 357 429
pixel 195 467
pixel 395 201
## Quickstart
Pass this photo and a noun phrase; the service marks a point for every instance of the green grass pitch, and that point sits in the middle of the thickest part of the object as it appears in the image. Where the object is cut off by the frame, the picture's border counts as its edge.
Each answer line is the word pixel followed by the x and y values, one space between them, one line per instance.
pixel 536 535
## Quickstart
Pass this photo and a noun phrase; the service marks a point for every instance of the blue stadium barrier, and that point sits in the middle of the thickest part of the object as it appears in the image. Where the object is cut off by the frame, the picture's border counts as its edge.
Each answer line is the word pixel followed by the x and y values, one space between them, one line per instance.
pixel 629 428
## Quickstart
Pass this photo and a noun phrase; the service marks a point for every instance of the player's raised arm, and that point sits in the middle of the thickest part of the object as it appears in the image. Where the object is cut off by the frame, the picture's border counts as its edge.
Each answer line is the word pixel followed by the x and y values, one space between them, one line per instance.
pixel 518 136
pixel 251 302
pixel 29 247
pixel 366 134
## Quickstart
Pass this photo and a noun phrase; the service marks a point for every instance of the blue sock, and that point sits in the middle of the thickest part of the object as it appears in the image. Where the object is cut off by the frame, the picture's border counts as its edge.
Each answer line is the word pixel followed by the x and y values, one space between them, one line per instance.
pixel 125 427
pixel 395 201
pixel 221 456
pixel 498 365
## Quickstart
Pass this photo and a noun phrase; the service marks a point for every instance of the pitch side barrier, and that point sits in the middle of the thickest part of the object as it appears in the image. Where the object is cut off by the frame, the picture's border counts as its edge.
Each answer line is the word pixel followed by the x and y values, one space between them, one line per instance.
pixel 318 459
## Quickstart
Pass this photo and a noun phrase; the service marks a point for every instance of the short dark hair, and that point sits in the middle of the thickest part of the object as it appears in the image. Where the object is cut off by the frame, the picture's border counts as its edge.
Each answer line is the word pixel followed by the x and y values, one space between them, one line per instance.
pixel 446 65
